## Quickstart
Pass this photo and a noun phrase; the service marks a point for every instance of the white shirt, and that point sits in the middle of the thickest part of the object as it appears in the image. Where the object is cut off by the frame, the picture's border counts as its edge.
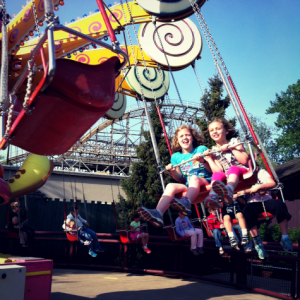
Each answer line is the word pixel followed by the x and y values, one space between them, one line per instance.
pixel 262 177
pixel 80 221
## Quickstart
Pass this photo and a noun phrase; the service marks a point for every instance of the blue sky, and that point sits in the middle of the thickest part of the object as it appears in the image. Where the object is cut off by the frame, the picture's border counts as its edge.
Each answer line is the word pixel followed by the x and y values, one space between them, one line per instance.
pixel 259 42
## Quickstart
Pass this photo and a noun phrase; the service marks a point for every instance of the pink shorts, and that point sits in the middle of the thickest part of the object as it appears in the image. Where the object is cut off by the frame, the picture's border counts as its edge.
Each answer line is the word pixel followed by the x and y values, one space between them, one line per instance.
pixel 136 235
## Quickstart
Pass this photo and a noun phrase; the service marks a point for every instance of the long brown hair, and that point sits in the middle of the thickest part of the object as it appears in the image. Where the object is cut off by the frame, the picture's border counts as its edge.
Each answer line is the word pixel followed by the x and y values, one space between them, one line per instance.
pixel 227 126
pixel 198 139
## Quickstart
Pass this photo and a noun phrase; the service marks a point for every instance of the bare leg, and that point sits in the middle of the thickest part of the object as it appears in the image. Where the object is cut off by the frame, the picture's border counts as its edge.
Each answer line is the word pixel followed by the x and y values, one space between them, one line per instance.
pixel 254 231
pixel 144 240
pixel 227 223
pixel 233 180
pixel 194 187
pixel 146 237
pixel 242 221
pixel 284 227
pixel 168 195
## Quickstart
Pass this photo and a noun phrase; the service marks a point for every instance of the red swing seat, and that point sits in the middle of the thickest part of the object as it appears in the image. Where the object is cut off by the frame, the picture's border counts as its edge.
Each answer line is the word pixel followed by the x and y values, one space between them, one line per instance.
pixel 245 182
pixel 263 216
pixel 77 97
pixel 13 235
pixel 125 236
pixel 71 238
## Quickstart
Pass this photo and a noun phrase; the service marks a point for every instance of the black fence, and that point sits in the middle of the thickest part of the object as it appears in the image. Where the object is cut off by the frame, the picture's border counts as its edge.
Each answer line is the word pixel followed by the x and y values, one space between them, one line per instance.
pixel 46 214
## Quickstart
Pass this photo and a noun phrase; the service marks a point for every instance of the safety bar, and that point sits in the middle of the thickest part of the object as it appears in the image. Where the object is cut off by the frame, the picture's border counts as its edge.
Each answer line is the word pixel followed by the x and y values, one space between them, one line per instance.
pixel 129 230
pixel 202 155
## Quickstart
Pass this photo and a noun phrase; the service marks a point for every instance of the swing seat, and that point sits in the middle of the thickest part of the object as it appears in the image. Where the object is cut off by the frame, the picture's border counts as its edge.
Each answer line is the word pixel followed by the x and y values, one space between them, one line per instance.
pixel 71 238
pixel 13 235
pixel 125 236
pixel 264 216
pixel 5 192
pixel 246 181
pixel 174 236
pixel 77 97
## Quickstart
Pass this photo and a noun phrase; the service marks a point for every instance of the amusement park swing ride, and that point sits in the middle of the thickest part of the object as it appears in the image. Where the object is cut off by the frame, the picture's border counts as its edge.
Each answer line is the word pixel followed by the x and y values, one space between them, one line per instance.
pixel 140 72
pixel 52 83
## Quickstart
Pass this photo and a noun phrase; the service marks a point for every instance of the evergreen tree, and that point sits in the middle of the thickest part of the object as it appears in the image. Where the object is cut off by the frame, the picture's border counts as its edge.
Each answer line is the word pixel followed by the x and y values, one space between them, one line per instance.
pixel 287 105
pixel 214 106
pixel 144 182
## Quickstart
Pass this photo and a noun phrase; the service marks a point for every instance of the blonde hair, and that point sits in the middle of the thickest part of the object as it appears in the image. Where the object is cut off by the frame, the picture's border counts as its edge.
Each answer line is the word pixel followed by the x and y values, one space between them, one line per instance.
pixel 226 125
pixel 198 139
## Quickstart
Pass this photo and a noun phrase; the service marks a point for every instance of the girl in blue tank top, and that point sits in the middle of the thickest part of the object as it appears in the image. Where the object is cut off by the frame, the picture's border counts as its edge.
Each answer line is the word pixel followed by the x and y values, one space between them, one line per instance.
pixel 187 143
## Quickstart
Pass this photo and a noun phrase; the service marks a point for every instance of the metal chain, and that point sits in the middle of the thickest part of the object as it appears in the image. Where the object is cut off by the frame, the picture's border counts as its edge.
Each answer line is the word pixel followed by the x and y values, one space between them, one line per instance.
pixel 170 70
pixel 198 14
pixel 36 18
pixel 31 66
pixel 9 117
pixel 198 78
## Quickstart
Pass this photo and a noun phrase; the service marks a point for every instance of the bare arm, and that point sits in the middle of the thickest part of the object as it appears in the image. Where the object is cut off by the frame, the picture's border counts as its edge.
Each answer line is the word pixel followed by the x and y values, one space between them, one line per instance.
pixel 175 172
pixel 214 164
pixel 239 153
pixel 270 183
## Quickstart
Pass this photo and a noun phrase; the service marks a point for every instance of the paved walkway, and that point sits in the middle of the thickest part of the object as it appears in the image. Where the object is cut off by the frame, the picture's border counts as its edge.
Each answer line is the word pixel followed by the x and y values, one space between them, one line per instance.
pixel 81 284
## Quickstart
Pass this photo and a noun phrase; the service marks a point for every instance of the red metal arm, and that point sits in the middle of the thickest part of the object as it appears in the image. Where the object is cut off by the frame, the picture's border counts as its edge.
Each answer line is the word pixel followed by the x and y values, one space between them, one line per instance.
pixel 106 21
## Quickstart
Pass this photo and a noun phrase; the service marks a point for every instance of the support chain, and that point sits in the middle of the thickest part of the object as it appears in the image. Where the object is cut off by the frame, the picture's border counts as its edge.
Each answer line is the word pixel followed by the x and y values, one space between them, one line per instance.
pixel 36 18
pixel 151 130
pixel 9 117
pixel 198 78
pixel 31 67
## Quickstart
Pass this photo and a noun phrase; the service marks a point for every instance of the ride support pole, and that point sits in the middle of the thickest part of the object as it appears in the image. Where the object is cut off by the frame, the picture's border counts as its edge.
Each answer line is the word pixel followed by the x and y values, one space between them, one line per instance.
pixel 106 21
pixel 155 148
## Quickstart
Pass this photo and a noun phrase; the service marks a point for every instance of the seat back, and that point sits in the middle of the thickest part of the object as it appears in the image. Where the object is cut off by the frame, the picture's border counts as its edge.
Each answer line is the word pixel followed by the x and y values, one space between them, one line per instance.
pixel 71 238
pixel 13 235
pixel 265 216
pixel 125 236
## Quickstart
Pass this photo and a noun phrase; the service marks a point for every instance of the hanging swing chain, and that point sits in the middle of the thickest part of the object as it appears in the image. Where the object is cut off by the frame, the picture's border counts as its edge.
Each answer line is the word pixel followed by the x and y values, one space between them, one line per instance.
pixel 170 70
pixel 9 117
pixel 36 18
pixel 155 147
pixel 31 68
pixel 198 78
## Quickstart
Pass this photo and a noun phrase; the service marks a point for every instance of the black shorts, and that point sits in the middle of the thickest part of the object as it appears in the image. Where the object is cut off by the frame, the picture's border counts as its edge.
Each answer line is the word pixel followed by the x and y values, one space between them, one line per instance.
pixel 275 207
pixel 231 209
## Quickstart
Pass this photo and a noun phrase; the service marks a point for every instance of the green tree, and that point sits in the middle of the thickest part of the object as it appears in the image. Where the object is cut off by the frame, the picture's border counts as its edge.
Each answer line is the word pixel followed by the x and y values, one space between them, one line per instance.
pixel 287 105
pixel 267 136
pixel 144 182
pixel 214 106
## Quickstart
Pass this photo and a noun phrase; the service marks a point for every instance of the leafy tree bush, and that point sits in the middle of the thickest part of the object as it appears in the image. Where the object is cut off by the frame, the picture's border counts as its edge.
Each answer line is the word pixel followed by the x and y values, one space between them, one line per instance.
pixel 287 105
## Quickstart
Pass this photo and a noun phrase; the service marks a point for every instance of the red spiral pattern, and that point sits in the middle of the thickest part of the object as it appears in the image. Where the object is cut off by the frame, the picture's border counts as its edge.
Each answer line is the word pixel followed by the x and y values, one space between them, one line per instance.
pixel 102 60
pixel 118 14
pixel 74 36
pixel 27 14
pixel 95 27
pixel 83 58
